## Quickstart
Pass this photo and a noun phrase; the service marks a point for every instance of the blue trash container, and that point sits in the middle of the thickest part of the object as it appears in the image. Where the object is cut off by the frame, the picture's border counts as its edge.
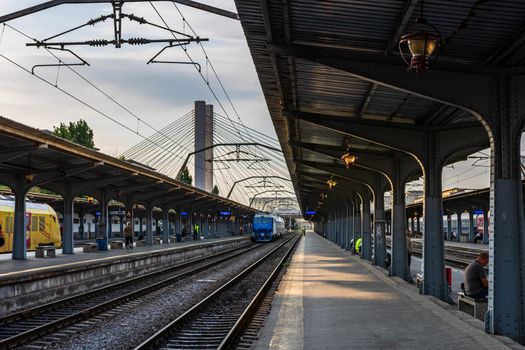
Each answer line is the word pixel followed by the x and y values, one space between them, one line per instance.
pixel 102 243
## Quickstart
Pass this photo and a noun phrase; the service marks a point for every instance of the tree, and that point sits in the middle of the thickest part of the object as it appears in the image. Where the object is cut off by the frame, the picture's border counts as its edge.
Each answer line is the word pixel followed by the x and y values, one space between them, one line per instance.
pixel 215 190
pixel 78 132
pixel 185 176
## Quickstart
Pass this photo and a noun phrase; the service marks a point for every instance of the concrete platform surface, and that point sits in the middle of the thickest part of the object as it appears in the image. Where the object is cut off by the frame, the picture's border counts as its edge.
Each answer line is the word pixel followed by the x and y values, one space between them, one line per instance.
pixel 10 268
pixel 329 299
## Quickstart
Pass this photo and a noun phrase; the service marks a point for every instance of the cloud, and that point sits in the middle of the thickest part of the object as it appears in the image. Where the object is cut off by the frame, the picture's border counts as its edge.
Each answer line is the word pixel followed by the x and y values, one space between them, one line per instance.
pixel 157 93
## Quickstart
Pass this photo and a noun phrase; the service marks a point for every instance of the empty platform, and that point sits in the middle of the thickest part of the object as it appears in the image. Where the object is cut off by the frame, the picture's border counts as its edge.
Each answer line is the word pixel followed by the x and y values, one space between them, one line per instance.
pixel 329 299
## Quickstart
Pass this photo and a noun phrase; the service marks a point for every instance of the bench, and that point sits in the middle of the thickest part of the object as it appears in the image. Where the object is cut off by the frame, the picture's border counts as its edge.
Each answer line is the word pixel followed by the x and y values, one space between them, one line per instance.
pixel 157 240
pixel 141 243
pixel 45 251
pixel 473 307
pixel 116 245
pixel 89 247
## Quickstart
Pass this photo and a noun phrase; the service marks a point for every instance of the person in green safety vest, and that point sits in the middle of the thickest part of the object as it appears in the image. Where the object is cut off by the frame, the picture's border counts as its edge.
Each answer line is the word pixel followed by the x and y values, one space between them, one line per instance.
pixel 196 232
pixel 358 245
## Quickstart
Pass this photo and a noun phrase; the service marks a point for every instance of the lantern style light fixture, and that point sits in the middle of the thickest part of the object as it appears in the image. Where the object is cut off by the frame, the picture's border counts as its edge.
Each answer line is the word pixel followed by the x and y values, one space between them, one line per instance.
pixel 422 44
pixel 331 183
pixel 349 159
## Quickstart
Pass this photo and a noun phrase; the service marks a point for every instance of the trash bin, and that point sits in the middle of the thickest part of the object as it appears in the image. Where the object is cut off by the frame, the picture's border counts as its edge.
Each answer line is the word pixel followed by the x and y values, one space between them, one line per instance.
pixel 464 238
pixel 102 243
pixel 178 237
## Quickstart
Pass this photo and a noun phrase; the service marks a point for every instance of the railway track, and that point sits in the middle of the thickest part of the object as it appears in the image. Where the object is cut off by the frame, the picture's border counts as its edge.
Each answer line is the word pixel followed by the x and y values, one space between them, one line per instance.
pixel 455 256
pixel 237 307
pixel 24 326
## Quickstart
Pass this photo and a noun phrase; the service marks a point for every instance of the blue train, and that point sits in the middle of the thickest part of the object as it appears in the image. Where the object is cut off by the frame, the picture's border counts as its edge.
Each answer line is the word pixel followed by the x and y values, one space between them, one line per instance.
pixel 267 227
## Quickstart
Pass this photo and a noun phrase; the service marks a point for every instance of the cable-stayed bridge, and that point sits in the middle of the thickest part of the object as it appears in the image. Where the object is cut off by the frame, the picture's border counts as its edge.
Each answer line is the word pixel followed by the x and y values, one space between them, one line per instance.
pixel 245 164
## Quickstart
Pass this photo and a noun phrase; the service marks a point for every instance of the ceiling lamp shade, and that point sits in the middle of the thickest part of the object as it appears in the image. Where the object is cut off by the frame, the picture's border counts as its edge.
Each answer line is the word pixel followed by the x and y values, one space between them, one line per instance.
pixel 421 46
pixel 423 43
pixel 349 159
pixel 331 183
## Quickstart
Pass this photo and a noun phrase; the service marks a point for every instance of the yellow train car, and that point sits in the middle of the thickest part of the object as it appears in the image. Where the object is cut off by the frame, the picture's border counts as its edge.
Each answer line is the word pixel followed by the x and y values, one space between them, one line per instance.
pixel 41 224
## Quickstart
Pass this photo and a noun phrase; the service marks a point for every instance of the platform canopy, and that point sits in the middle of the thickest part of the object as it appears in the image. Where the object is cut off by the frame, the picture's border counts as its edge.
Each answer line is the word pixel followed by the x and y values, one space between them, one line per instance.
pixel 334 79
pixel 41 159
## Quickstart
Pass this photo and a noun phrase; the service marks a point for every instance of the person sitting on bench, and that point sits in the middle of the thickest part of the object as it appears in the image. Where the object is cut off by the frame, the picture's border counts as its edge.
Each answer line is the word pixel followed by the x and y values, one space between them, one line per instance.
pixel 476 282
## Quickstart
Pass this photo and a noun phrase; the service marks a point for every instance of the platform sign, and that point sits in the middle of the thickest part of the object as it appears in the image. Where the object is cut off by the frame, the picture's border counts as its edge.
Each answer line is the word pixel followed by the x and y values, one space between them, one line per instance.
pixel 183 213
pixel 479 212
pixel 310 212
pixel 225 213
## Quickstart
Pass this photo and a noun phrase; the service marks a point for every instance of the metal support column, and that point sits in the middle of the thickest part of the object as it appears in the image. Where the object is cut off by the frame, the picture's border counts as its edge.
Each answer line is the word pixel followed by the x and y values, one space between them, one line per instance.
pixel 449 227
pixel 506 306
pixel 472 228
pixel 459 225
pixel 165 226
pixel 19 236
pixel 433 264
pixel 109 226
pixel 81 225
pixel 350 218
pixel 103 220
pixel 379 226
pixel 149 224
pixel 358 228
pixel 485 226
pixel 67 234
pixel 398 236
pixel 341 228
pixel 366 245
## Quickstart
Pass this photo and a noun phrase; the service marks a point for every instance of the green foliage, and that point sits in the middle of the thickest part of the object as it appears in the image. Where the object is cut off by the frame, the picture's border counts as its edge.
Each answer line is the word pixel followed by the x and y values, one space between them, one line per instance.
pixel 78 132
pixel 215 190
pixel 42 190
pixel 185 176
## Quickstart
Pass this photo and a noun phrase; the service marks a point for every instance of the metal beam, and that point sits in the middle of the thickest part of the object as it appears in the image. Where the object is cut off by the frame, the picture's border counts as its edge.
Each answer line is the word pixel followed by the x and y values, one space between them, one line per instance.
pixel 222 145
pixel 49 4
pixel 254 177
pixel 17 152
pixel 366 99
pixel 500 55
pixel 408 10
pixel 470 90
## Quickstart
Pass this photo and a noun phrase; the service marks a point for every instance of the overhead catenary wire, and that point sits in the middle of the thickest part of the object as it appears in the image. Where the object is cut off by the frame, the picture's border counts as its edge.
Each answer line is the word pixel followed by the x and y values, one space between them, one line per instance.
pixel 161 137
pixel 79 100
pixel 208 62
pixel 193 63
pixel 139 119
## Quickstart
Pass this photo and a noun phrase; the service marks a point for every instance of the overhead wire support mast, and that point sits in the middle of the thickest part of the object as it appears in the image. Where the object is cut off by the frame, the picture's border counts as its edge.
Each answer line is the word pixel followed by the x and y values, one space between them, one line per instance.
pixel 103 42
pixel 118 41
pixel 49 4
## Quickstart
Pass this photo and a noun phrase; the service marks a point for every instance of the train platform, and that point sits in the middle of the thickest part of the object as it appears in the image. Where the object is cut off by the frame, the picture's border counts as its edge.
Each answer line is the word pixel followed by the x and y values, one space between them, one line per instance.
pixel 10 268
pixel 329 299
pixel 26 283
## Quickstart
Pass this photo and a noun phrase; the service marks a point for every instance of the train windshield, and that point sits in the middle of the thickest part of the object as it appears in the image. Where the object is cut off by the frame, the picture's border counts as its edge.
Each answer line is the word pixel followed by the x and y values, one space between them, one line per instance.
pixel 262 224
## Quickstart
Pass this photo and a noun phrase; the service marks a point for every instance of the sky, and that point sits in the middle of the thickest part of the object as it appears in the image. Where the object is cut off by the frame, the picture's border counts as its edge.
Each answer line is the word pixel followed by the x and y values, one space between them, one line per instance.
pixel 156 93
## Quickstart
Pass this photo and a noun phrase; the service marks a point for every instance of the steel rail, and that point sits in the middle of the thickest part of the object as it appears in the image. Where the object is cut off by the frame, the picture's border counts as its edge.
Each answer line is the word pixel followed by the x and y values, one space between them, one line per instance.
pixel 233 334
pixel 454 256
pixel 46 328
pixel 155 341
